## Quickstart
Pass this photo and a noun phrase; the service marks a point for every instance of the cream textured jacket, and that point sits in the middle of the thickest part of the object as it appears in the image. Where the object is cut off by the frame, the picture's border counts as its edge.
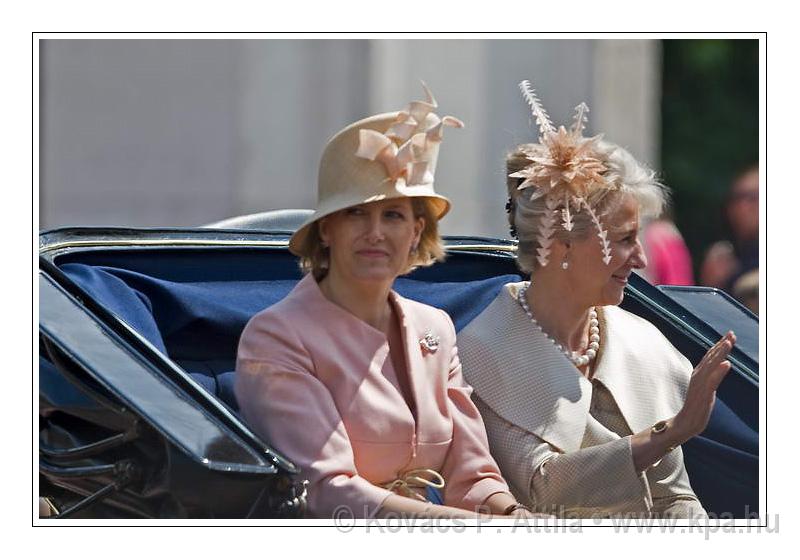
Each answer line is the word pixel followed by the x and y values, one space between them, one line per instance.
pixel 561 440
pixel 318 384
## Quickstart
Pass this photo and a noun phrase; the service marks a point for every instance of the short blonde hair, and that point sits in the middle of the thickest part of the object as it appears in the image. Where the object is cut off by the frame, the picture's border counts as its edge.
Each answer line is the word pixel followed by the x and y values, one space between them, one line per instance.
pixel 315 257
pixel 624 175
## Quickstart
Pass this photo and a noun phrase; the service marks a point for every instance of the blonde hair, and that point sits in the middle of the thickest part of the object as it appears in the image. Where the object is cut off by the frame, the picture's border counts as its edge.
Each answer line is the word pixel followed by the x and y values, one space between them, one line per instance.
pixel 316 260
pixel 624 175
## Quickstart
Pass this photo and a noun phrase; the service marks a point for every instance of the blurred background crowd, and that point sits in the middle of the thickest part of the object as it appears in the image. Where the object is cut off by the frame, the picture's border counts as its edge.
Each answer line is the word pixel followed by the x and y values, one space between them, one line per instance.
pixel 163 133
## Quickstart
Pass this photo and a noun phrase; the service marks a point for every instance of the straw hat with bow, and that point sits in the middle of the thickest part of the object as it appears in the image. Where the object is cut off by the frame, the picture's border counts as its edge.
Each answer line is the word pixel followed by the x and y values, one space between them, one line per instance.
pixel 384 156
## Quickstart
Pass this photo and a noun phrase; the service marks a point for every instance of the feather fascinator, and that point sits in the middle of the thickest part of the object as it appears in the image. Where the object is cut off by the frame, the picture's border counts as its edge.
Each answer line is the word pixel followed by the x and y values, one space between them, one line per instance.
pixel 565 168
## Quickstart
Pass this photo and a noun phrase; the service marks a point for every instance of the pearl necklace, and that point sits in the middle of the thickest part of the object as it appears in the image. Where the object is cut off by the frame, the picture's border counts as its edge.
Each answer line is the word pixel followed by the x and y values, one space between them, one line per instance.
pixel 579 360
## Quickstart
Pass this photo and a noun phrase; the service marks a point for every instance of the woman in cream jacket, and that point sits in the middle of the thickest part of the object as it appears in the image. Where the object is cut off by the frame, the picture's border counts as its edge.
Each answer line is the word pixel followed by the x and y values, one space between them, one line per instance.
pixel 585 404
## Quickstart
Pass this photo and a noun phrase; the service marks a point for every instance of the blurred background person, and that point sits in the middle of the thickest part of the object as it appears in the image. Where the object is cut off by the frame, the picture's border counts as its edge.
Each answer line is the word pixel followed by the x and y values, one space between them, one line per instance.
pixel 668 259
pixel 732 264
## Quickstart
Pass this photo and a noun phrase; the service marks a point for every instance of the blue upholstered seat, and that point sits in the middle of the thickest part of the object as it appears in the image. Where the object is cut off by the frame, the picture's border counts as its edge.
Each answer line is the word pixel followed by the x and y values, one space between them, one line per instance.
pixel 198 323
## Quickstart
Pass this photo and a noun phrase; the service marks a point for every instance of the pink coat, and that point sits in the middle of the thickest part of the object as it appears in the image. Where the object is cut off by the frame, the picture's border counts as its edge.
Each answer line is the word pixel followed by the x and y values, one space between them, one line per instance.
pixel 312 381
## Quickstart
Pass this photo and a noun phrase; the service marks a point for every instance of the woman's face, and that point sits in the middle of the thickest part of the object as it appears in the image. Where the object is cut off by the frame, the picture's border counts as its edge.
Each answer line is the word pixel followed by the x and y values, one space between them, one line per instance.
pixel 594 282
pixel 372 242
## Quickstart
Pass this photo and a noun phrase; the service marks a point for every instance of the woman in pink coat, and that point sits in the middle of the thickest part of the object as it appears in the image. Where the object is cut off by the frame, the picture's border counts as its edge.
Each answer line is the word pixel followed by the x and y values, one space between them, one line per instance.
pixel 360 387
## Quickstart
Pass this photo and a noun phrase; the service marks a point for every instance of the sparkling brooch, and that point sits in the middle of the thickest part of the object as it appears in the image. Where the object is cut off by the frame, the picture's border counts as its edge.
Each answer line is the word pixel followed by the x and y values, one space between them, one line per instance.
pixel 429 342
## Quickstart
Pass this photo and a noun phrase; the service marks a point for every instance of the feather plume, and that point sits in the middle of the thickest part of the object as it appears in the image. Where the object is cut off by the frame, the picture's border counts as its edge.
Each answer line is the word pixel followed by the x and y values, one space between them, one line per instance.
pixel 546 229
pixel 565 214
pixel 601 233
pixel 566 168
pixel 541 116
pixel 566 163
pixel 580 119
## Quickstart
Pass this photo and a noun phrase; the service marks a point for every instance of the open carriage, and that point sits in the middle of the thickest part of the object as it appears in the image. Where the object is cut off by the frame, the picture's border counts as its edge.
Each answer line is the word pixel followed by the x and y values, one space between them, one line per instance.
pixel 138 336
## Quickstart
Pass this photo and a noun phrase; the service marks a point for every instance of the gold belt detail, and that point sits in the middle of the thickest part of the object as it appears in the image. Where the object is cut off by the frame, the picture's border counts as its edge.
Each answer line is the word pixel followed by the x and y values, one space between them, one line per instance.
pixel 414 479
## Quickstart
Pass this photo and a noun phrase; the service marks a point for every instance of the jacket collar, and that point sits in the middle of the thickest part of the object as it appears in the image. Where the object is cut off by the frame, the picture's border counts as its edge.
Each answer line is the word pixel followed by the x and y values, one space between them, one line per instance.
pixel 309 293
pixel 646 375
pixel 524 378
pixel 377 348
pixel 521 375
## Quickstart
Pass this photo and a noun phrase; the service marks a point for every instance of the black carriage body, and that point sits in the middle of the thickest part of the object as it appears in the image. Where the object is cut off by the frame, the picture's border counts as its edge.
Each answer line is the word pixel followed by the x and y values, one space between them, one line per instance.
pixel 138 336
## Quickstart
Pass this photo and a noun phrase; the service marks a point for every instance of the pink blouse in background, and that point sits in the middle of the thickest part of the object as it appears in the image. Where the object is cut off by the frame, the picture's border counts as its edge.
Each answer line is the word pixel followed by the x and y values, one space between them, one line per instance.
pixel 317 384
pixel 669 261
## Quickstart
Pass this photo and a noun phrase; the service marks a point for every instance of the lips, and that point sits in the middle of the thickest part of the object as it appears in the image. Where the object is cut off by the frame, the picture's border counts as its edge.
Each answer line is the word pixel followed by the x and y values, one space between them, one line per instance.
pixel 622 279
pixel 372 253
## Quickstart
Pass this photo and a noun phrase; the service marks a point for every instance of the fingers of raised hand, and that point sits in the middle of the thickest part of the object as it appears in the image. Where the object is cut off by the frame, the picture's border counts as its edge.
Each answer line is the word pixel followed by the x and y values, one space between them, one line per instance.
pixel 729 337
pixel 717 353
pixel 709 355
pixel 723 351
pixel 719 373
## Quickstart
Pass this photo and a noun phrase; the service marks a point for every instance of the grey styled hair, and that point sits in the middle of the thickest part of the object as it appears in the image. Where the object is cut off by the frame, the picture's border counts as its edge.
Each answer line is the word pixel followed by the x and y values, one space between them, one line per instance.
pixel 624 175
